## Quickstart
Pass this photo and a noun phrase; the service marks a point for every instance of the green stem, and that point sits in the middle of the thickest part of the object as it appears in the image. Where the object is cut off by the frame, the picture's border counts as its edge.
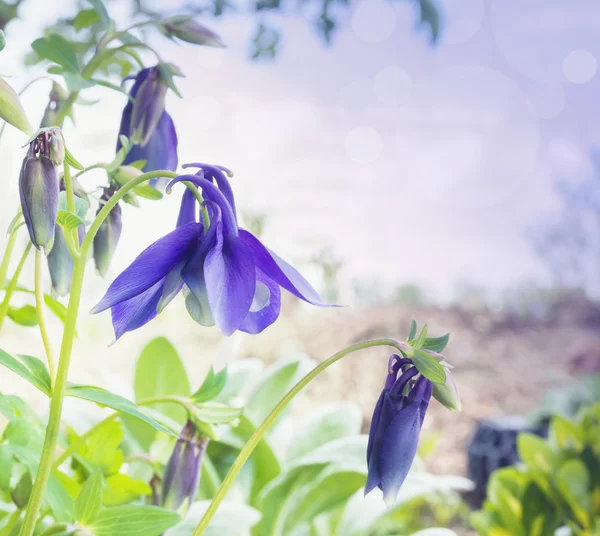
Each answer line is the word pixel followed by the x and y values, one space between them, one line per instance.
pixel 41 314
pixel 58 392
pixel 72 244
pixel 10 245
pixel 89 168
pixel 13 285
pixel 260 431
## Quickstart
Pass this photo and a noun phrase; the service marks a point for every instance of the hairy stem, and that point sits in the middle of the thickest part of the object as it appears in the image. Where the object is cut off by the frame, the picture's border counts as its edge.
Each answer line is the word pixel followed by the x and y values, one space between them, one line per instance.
pixel 13 285
pixel 41 314
pixel 260 431
pixel 58 392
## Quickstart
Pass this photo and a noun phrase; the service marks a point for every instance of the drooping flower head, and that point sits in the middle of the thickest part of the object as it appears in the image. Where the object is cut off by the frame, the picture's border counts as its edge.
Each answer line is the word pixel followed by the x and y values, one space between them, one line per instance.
pixel 147 124
pixel 182 472
pixel 395 427
pixel 230 279
pixel 38 186
pixel 107 237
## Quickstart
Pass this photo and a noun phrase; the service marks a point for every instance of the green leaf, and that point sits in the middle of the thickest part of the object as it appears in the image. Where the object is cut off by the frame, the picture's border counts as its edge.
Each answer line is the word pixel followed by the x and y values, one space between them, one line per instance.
pixel 30 369
pixel 89 500
pixel 57 308
pixel 215 413
pixel 565 434
pixel 116 402
pixel 133 521
pixel 327 423
pixel 413 330
pixel 57 49
pixel 436 344
pixel 101 451
pixel 71 160
pixel 242 375
pixel 421 338
pixel 24 316
pixel 102 12
pixel 6 465
pixel 76 82
pixel 81 205
pixel 68 220
pixel 212 385
pixel 536 453
pixel 573 482
pixel 20 495
pixel 85 18
pixel 122 489
pixel 428 366
pixel 231 519
pixel 158 372
pixel 148 192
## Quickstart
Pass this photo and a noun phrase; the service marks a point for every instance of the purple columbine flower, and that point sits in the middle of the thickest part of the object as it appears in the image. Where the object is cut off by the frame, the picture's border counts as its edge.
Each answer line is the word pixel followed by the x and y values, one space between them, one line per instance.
pixel 395 427
pixel 230 278
pixel 147 120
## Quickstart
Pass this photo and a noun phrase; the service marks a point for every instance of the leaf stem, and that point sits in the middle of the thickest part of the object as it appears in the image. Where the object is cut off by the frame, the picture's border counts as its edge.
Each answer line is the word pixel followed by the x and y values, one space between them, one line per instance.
pixel 10 245
pixel 58 392
pixel 13 285
pixel 41 314
pixel 260 431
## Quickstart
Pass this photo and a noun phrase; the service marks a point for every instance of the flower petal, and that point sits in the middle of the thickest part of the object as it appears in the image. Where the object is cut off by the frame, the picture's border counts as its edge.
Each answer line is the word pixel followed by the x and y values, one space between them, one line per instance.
pixel 385 412
pixel 230 276
pixel 137 311
pixel 398 449
pixel 280 271
pixel 255 322
pixel 188 209
pixel 172 286
pixel 216 173
pixel 152 265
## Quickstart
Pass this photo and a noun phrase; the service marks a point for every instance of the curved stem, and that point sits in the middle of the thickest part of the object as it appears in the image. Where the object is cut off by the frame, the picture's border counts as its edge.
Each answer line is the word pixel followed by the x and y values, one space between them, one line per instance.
pixel 41 314
pixel 89 168
pixel 13 285
pixel 10 245
pixel 260 431
pixel 66 349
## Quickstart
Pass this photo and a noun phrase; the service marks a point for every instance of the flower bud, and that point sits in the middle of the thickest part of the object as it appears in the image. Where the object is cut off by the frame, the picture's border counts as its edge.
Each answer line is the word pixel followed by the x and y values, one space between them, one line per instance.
pixel 148 107
pixel 188 30
pixel 107 237
pixel 124 174
pixel 56 146
pixel 20 495
pixel 38 188
pixel 182 472
pixel 447 393
pixel 11 109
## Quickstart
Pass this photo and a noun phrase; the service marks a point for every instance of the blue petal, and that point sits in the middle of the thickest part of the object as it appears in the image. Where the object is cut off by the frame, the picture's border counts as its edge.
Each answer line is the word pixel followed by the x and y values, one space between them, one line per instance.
pixel 173 283
pixel 215 173
pixel 230 276
pixel 398 450
pixel 385 412
pixel 188 208
pixel 255 322
pixel 280 271
pixel 152 265
pixel 137 311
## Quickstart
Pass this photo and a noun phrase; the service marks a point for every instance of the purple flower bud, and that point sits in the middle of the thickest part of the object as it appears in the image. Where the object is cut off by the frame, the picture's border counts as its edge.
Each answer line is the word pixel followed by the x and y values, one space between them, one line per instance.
pixel 395 427
pixel 38 188
pixel 188 30
pixel 148 107
pixel 182 472
pixel 107 237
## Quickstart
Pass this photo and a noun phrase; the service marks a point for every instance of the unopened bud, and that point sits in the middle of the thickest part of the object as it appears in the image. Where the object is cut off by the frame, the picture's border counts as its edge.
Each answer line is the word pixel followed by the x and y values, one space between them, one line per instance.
pixel 447 393
pixel 124 174
pixel 182 472
pixel 148 107
pixel 38 188
pixel 107 237
pixel 56 146
pixel 188 30
pixel 11 109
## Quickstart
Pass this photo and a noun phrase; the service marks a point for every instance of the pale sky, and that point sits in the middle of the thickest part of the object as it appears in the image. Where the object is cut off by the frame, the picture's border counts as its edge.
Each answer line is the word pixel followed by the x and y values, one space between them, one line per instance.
pixel 415 163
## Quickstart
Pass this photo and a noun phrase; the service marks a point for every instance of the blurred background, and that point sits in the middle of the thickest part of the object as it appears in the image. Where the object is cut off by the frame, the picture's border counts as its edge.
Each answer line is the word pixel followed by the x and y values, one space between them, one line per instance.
pixel 430 159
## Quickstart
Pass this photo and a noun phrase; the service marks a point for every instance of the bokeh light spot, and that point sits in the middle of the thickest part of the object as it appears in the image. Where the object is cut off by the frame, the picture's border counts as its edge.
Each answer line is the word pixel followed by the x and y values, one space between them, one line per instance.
pixel 580 66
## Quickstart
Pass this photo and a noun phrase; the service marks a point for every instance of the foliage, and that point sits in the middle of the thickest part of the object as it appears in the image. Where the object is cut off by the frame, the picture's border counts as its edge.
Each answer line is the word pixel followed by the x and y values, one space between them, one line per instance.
pixel 556 487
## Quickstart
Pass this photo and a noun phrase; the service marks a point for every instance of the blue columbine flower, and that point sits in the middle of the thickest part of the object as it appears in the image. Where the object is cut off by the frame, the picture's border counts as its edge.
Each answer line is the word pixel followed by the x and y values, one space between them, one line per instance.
pixel 229 277
pixel 147 124
pixel 395 427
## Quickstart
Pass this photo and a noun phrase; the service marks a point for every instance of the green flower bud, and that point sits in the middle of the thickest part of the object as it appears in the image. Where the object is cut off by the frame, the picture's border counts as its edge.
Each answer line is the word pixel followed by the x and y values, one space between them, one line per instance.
pixel 447 393
pixel 124 174
pixel 11 109
pixel 188 30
